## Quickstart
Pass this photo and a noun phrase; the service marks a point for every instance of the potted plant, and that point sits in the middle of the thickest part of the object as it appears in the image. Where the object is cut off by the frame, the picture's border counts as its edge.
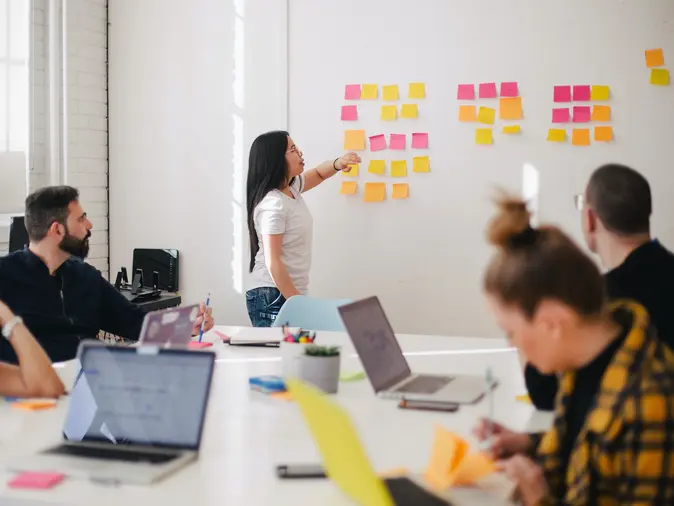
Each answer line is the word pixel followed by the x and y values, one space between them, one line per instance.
pixel 320 367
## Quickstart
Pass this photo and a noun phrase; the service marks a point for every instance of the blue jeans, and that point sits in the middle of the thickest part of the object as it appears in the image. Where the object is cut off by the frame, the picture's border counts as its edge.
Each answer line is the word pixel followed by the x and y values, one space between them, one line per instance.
pixel 263 305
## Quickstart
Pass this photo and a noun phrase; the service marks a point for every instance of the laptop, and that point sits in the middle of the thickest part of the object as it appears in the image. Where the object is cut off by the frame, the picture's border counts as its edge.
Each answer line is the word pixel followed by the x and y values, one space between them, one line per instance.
pixel 386 366
pixel 169 327
pixel 135 415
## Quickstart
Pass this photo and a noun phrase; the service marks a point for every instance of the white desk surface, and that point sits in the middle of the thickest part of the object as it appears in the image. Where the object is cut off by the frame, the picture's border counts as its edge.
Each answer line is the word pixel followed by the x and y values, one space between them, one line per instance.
pixel 247 434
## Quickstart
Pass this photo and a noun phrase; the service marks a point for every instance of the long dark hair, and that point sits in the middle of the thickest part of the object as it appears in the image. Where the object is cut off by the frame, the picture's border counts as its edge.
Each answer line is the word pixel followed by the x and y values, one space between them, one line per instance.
pixel 267 170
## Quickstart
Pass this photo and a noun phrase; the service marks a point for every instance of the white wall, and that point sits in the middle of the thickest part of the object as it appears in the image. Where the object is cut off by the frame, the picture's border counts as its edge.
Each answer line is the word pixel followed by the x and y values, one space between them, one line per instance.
pixel 424 257
pixel 191 85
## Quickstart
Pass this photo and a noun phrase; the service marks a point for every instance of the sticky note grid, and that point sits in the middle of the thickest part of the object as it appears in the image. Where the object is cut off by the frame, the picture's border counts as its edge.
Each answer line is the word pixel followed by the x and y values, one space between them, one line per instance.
pixel 575 104
pixel 502 102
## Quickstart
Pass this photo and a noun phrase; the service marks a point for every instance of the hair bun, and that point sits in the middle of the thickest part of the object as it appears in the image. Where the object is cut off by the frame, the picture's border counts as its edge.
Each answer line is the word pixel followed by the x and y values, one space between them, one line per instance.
pixel 510 227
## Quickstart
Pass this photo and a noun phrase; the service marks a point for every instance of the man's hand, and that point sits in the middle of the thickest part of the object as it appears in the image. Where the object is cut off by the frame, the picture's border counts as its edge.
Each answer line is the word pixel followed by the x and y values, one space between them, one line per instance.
pixel 200 317
pixel 505 443
pixel 529 479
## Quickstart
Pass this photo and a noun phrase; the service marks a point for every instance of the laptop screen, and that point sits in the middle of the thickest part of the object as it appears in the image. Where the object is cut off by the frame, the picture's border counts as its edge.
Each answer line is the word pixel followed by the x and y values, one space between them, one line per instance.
pixel 140 396
pixel 375 342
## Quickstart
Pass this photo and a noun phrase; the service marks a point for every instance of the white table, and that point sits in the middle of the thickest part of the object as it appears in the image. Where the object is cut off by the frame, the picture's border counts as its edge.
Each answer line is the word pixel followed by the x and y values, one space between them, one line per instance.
pixel 247 434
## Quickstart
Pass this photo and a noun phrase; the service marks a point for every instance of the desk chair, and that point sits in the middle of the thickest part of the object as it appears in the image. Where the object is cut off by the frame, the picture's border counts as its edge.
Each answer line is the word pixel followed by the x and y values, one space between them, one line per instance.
pixel 312 314
pixel 18 235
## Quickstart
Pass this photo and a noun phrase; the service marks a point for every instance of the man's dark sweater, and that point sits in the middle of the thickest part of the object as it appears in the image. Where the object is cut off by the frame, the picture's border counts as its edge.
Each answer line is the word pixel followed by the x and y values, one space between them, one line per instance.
pixel 63 309
pixel 646 276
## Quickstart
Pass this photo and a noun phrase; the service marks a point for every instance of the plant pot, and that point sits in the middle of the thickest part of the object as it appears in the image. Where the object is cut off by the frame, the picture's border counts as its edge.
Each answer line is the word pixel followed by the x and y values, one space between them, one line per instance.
pixel 322 372
pixel 291 359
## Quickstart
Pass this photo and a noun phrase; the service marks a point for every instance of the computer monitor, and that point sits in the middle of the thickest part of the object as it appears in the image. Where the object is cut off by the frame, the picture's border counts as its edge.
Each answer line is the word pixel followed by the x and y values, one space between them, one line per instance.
pixel 162 261
pixel 18 236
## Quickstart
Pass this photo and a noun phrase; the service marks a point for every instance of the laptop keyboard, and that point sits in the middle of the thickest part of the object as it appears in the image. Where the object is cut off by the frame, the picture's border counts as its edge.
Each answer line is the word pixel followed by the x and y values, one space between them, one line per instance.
pixel 424 384
pixel 407 493
pixel 112 454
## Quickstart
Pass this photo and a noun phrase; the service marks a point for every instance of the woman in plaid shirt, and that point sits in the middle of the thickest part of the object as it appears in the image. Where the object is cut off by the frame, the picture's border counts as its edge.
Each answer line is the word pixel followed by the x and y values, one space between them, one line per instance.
pixel 612 442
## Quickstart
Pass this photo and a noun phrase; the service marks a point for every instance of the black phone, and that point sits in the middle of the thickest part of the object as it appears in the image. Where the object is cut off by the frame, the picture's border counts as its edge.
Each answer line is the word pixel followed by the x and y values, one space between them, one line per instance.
pixel 288 471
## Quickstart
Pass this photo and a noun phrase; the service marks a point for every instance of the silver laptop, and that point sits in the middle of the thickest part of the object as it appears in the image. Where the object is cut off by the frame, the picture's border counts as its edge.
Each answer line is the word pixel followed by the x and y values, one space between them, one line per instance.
pixel 169 327
pixel 388 370
pixel 135 415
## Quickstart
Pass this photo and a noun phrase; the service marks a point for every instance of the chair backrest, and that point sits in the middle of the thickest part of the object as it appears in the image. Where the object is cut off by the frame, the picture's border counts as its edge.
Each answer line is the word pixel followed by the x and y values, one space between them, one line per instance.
pixel 312 314
pixel 18 235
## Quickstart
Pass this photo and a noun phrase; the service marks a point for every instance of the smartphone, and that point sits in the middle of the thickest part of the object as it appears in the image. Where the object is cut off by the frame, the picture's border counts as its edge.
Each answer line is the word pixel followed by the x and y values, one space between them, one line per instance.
pixel 450 407
pixel 288 471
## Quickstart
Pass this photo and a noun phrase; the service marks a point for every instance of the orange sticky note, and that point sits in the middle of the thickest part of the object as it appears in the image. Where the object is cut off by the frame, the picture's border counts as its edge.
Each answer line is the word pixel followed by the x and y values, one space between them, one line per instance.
pixel 655 58
pixel 472 468
pixel 394 473
pixel 401 190
pixel 375 192
pixel 349 188
pixel 603 133
pixel 283 396
pixel 510 108
pixel 467 113
pixel 523 398
pixel 354 140
pixel 580 137
pixel 601 113
pixel 34 405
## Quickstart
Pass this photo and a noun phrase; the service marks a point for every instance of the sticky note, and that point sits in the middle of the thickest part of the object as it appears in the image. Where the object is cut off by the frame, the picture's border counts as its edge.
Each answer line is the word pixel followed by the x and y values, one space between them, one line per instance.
pixel 349 113
pixel 509 89
pixel 472 468
pixel 486 115
pixel 655 58
pixel 369 91
pixel 34 405
pixel 511 129
pixel 603 133
pixel 389 112
pixel 375 192
pixel 487 90
pixel 483 136
pixel 510 108
pixel 417 90
pixel 348 188
pixel 353 376
pixel 561 115
pixel 582 114
pixel 660 77
pixel 397 142
pixel 556 135
pixel 352 172
pixel 352 92
pixel 523 398
pixel 582 93
pixel 580 137
pixel 601 113
pixel 600 93
pixel 467 113
pixel 400 190
pixel 36 480
pixel 377 167
pixel 377 142
pixel 421 164
pixel 409 111
pixel 419 141
pixel 196 345
pixel 354 140
pixel 283 396
pixel 390 92
pixel 399 168
pixel 562 94
pixel 465 92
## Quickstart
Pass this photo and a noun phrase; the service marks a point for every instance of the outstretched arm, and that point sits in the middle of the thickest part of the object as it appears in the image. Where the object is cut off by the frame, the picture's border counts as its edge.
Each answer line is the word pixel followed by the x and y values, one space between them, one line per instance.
pixel 327 169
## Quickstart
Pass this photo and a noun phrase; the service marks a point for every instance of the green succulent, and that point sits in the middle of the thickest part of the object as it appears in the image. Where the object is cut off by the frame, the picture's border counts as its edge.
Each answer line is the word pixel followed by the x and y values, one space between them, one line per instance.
pixel 313 350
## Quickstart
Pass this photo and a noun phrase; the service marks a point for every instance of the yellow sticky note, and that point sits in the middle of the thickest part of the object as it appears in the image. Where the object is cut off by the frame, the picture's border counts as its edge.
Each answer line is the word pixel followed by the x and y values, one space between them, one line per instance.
pixel 343 455
pixel 354 140
pixel 401 190
pixel 352 172
pixel 486 115
pixel 510 108
pixel 580 137
pixel 34 405
pixel 600 92
pixel 390 92
pixel 556 135
pixel 410 111
pixel 601 113
pixel 389 112
pixel 660 77
pixel 369 91
pixel 655 58
pixel 375 192
pixel 603 133
pixel 377 167
pixel 421 164
pixel 467 113
pixel 398 168
pixel 511 129
pixel 417 90
pixel 523 398
pixel 484 136
pixel 349 188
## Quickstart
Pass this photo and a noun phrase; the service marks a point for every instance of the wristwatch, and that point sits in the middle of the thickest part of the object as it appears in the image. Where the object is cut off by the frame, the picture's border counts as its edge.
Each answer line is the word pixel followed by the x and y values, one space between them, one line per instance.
pixel 8 327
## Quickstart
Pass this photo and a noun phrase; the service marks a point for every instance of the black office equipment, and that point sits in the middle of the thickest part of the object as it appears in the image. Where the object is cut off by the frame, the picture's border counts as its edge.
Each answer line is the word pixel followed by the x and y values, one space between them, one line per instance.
pixel 162 261
pixel 18 236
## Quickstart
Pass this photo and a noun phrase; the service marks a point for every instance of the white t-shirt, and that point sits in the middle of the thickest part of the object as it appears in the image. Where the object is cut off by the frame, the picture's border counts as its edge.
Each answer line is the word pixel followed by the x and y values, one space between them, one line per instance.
pixel 278 213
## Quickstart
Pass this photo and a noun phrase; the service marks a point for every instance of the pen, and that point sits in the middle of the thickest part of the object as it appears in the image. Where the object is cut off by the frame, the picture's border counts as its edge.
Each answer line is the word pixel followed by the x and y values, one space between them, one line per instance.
pixel 203 321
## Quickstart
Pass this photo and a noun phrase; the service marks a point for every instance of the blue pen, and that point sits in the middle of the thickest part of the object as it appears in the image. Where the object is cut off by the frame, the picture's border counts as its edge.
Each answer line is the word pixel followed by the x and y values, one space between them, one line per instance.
pixel 203 322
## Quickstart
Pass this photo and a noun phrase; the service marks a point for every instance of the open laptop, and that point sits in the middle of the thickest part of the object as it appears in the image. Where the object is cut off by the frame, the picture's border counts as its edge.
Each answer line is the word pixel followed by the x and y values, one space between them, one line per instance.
pixel 388 370
pixel 135 415
pixel 169 327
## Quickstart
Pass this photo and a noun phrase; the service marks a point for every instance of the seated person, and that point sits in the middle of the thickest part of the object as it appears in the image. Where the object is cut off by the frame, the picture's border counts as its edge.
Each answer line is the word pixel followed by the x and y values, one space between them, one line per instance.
pixel 616 210
pixel 61 299
pixel 34 376
pixel 613 432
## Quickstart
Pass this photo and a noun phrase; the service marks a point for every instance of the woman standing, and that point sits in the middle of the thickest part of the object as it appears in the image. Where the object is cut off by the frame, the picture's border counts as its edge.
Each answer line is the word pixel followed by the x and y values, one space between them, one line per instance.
pixel 279 223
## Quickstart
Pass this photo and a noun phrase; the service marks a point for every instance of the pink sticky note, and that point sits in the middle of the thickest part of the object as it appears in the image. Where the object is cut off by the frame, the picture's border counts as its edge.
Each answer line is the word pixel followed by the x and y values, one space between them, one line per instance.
pixel 349 113
pixel 419 141
pixel 561 115
pixel 582 114
pixel 488 90
pixel 397 142
pixel 582 93
pixel 352 92
pixel 377 142
pixel 196 345
pixel 465 92
pixel 509 89
pixel 562 93
pixel 36 480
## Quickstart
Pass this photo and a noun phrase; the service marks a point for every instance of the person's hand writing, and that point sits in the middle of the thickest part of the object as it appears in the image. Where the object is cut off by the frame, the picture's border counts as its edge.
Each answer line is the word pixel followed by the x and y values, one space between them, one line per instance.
pixel 529 479
pixel 346 160
pixel 505 443
pixel 200 317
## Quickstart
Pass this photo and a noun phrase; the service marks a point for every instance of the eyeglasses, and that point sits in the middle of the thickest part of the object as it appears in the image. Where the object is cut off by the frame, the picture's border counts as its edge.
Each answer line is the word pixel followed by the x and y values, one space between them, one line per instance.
pixel 578 201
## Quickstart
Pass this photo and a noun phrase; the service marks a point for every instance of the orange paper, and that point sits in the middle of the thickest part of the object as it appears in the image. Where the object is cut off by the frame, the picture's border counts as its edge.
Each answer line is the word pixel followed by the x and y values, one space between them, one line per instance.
pixel 580 137
pixel 282 396
pixel 349 188
pixel 354 140
pixel 655 58
pixel 401 190
pixel 467 113
pixel 34 405
pixel 510 108
pixel 601 113
pixel 375 192
pixel 603 133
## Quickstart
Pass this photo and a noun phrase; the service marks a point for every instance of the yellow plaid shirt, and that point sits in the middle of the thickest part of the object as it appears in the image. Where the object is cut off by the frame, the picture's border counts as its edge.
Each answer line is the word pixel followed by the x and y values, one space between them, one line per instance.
pixel 624 454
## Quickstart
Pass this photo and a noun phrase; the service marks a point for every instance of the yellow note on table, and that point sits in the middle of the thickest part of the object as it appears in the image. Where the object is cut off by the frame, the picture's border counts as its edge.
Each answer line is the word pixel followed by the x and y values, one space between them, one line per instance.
pixel 484 136
pixel 349 188
pixel 401 190
pixel 375 192
pixel 660 77
pixel 510 108
pixel 600 92
pixel 354 140
pixel 601 113
pixel 467 113
pixel 580 137
pixel 398 168
pixel 603 133
pixel 421 164
pixel 344 457
pixel 417 90
pixel 352 172
pixel 377 167
pixel 389 112
pixel 556 135
pixel 511 129
pixel 369 92
pixel 390 92
pixel 486 115
pixel 409 111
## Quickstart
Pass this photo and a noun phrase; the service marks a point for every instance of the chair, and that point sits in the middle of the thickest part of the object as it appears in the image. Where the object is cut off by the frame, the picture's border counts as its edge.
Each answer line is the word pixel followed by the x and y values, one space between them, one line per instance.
pixel 18 236
pixel 311 314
